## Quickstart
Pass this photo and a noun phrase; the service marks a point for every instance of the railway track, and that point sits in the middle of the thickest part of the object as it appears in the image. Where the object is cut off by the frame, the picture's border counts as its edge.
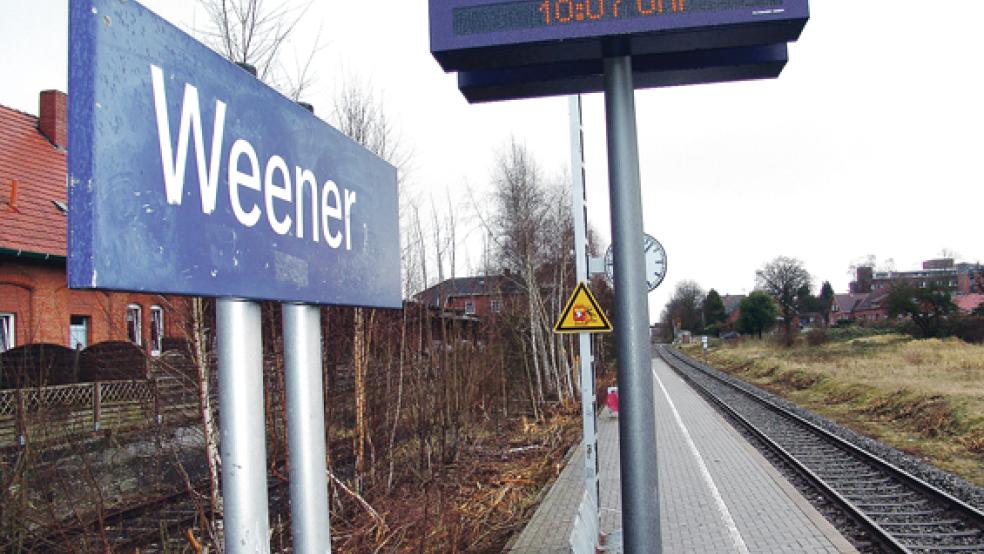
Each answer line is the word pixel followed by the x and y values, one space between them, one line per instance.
pixel 146 526
pixel 126 529
pixel 898 511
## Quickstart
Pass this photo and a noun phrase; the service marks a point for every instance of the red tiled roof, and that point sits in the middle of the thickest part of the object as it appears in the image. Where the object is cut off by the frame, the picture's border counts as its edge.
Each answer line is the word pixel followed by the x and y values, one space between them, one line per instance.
pixel 847 302
pixel 469 286
pixel 967 303
pixel 36 225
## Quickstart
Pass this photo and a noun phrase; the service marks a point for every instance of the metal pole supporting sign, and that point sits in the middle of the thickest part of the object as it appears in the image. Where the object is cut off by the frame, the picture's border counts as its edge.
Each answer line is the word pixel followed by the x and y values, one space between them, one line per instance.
pixel 637 423
pixel 306 429
pixel 243 443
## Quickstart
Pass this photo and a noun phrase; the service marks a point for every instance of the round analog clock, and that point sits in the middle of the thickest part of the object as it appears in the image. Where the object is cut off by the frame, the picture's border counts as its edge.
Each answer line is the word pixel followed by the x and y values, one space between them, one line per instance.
pixel 655 262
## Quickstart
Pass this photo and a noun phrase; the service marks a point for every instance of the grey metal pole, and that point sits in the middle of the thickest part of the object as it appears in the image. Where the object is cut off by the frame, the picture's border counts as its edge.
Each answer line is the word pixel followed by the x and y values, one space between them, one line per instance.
pixel 637 423
pixel 243 436
pixel 588 419
pixel 306 429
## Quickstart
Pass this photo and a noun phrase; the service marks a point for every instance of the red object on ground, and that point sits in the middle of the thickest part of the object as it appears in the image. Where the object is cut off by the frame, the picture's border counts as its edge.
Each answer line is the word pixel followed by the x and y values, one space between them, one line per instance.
pixel 612 400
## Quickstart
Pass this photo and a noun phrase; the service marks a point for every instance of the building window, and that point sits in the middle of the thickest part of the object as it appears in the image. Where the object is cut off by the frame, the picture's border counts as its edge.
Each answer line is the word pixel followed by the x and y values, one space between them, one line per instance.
pixel 78 332
pixel 470 307
pixel 133 319
pixel 495 306
pixel 156 330
pixel 7 332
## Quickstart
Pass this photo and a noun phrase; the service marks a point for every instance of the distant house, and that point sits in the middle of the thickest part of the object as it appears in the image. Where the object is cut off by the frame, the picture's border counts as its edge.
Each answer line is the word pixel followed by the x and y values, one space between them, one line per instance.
pixel 732 304
pixel 36 305
pixel 843 306
pixel 967 303
pixel 479 296
pixel 873 306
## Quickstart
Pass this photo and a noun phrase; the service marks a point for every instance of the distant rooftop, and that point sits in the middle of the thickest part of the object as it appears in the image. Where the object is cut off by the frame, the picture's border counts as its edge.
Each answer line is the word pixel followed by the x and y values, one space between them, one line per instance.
pixel 469 286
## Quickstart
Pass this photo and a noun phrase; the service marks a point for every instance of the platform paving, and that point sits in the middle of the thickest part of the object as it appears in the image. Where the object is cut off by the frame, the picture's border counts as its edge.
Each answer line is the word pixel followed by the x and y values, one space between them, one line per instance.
pixel 717 493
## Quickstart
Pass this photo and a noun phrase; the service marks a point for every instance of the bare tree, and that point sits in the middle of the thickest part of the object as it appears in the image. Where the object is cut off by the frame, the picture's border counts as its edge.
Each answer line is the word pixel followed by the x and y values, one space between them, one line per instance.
pixel 864 261
pixel 684 310
pixel 362 117
pixel 531 233
pixel 783 278
pixel 949 253
pixel 252 32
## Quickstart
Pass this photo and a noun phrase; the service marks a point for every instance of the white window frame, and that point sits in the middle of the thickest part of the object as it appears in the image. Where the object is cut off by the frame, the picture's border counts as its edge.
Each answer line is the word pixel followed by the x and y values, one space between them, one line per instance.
pixel 9 323
pixel 86 326
pixel 137 322
pixel 495 306
pixel 156 342
pixel 469 307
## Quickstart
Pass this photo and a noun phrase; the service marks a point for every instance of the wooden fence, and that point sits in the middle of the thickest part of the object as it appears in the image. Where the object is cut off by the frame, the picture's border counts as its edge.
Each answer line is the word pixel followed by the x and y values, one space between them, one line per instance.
pixel 50 414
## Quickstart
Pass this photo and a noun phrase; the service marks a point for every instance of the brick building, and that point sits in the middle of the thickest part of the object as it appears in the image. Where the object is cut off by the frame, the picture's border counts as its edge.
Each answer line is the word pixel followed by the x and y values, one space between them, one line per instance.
pixel 478 296
pixel 944 273
pixel 36 305
pixel 843 307
pixel 963 281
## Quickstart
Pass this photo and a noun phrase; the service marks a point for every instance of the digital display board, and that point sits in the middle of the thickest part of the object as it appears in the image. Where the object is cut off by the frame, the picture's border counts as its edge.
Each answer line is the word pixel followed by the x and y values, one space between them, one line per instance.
pixel 187 175
pixel 481 34
pixel 508 16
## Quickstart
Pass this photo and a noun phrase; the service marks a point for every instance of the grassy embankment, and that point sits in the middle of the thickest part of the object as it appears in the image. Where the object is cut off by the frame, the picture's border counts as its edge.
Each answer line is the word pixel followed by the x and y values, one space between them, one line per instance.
pixel 925 397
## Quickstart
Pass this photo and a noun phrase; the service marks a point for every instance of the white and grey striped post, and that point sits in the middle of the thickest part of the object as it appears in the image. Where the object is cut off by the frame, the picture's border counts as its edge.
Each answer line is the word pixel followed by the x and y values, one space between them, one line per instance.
pixel 588 406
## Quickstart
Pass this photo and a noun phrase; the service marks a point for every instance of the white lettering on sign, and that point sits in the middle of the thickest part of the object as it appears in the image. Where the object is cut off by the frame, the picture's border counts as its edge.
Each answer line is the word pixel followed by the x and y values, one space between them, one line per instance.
pixel 280 192
pixel 331 217
pixel 237 178
pixel 191 121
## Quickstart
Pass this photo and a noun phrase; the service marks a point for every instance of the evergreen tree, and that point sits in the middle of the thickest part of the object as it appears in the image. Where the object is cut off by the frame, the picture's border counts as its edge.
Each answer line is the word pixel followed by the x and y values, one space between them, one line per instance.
pixel 714 312
pixel 758 314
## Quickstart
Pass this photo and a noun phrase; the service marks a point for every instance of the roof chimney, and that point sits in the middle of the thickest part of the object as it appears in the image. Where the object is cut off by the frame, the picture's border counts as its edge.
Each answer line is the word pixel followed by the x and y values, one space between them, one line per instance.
pixel 12 201
pixel 53 118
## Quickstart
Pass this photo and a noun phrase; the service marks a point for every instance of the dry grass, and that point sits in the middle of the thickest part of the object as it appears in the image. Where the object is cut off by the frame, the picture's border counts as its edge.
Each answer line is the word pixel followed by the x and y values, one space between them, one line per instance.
pixel 925 397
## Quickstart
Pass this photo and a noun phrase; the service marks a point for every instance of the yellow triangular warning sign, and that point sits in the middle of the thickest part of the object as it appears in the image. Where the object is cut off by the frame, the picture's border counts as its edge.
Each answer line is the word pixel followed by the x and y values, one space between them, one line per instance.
pixel 582 314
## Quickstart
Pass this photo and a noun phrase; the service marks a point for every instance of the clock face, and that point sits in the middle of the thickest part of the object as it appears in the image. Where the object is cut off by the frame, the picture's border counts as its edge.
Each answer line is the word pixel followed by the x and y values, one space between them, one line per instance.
pixel 655 262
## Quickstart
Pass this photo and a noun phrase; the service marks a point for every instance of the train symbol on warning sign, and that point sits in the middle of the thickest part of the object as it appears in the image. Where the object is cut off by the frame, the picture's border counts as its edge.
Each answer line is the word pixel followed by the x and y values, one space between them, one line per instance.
pixel 582 314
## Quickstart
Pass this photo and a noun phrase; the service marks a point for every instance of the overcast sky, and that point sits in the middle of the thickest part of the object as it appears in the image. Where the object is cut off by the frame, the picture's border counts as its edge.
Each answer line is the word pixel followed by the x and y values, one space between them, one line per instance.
pixel 870 142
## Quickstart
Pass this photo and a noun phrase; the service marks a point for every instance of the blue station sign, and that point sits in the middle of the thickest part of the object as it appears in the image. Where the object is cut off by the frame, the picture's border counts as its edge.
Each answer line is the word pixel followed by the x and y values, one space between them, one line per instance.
pixel 189 176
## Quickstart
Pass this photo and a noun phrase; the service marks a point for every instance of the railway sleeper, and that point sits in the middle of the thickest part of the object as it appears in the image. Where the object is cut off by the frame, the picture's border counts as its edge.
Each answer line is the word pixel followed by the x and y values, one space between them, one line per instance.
pixel 866 496
pixel 822 453
pixel 827 465
pixel 849 477
pixel 910 504
pixel 938 523
pixel 863 490
pixel 935 534
pixel 947 548
pixel 925 513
